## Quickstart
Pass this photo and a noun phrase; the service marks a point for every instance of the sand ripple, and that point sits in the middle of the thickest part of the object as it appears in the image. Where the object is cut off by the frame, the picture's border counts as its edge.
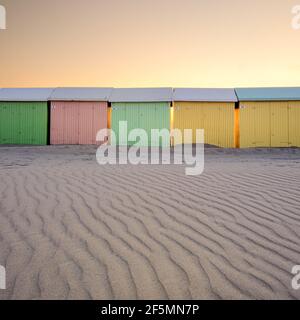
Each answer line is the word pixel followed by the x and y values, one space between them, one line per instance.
pixel 70 229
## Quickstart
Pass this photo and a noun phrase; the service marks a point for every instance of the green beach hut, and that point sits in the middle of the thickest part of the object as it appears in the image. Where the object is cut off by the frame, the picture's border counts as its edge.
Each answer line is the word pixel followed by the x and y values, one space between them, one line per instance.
pixel 141 108
pixel 24 116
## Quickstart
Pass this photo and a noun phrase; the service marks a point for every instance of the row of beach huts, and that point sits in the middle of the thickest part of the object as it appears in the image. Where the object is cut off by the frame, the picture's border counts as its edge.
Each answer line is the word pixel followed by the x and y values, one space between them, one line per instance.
pixel 231 118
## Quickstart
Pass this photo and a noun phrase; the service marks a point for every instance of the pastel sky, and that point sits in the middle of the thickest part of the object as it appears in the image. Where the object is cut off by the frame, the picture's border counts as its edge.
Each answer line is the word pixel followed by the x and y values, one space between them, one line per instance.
pixel 136 43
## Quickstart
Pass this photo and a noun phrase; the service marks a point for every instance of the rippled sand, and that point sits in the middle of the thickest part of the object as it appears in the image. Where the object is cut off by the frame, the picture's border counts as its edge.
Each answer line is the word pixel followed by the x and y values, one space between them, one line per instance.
pixel 71 229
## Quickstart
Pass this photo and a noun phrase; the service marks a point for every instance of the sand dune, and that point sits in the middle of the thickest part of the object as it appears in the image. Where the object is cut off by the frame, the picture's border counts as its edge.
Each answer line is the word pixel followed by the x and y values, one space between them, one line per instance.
pixel 71 229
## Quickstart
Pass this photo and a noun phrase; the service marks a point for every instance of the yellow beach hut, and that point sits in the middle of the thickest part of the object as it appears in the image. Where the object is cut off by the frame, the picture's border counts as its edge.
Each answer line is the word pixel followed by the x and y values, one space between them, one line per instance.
pixel 269 117
pixel 210 109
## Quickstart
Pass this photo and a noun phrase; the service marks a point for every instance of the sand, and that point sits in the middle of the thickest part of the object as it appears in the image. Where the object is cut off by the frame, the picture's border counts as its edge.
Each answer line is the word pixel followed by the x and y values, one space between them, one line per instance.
pixel 72 229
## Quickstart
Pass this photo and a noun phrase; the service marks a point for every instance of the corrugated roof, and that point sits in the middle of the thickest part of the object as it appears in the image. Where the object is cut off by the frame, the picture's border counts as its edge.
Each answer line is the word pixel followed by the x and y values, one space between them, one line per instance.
pixel 81 94
pixel 206 95
pixel 268 94
pixel 141 95
pixel 25 94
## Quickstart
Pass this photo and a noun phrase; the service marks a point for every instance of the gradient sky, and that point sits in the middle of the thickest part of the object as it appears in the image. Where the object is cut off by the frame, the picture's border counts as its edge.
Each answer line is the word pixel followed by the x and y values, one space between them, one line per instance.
pixel 136 43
